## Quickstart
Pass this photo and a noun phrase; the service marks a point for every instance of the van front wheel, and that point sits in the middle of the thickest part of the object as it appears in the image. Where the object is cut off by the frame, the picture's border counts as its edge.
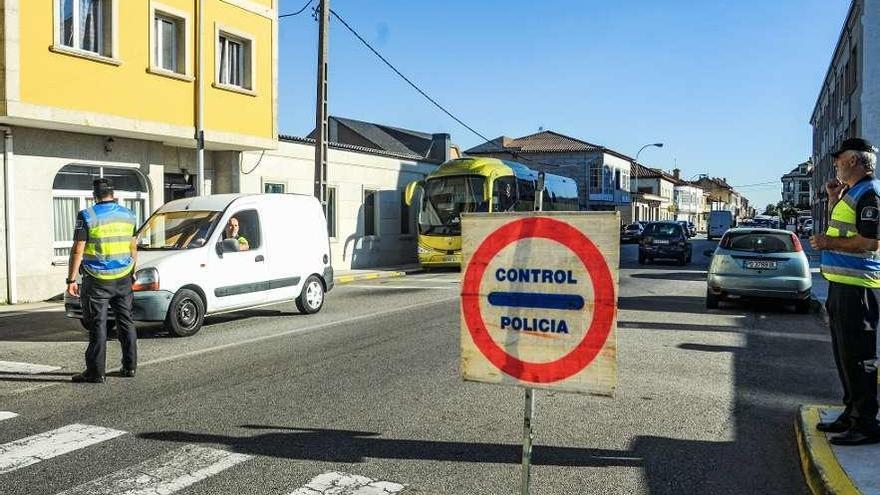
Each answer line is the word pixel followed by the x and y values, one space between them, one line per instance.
pixel 311 299
pixel 185 314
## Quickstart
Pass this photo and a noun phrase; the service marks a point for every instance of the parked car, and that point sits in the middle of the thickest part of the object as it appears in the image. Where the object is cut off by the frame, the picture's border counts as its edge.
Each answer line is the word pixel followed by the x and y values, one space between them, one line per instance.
pixel 188 270
pixel 665 240
pixel 759 263
pixel 632 233
pixel 689 228
pixel 807 228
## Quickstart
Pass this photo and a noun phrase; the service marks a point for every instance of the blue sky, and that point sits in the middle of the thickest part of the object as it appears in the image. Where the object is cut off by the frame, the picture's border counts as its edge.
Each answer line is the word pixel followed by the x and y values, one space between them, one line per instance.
pixel 727 85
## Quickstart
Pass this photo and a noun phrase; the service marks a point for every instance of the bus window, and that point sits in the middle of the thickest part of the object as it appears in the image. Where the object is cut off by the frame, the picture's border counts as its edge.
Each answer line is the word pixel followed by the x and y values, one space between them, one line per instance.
pixel 526 198
pixel 504 194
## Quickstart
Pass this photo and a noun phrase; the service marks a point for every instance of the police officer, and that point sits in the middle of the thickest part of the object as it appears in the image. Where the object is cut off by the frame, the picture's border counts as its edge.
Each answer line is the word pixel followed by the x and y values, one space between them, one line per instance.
pixel 851 264
pixel 105 247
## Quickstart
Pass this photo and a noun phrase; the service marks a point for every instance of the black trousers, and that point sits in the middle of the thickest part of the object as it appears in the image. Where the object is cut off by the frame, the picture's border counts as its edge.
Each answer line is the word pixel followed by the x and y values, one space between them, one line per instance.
pixel 96 297
pixel 854 314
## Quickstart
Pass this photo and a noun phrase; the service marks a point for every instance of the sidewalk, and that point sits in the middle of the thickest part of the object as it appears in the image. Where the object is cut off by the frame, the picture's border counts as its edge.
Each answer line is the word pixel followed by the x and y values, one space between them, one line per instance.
pixel 349 276
pixel 830 469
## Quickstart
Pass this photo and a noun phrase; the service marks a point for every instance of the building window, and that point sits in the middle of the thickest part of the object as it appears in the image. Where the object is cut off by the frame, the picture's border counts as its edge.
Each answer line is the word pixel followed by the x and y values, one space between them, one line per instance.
pixel 169 42
pixel 404 214
pixel 370 211
pixel 331 211
pixel 86 25
pixel 72 192
pixel 596 178
pixel 274 187
pixel 234 61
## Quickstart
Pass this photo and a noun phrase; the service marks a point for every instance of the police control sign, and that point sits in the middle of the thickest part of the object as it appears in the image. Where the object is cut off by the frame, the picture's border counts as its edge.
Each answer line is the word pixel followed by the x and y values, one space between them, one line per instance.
pixel 539 300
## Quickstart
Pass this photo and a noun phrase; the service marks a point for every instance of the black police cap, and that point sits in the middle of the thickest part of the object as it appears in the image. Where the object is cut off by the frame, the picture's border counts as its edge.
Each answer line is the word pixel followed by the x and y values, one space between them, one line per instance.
pixel 855 144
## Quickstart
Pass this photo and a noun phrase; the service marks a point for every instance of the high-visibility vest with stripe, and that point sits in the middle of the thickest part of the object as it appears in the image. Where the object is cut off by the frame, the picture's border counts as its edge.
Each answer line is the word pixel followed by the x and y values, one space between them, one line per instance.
pixel 107 255
pixel 860 269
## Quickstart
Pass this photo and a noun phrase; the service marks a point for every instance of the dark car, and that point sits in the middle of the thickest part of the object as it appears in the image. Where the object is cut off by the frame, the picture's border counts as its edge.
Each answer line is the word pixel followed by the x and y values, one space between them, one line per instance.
pixel 689 228
pixel 631 233
pixel 665 240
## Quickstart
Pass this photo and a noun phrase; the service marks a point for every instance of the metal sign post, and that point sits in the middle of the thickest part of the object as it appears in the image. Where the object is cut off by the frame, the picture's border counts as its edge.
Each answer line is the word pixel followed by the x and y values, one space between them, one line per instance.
pixel 528 435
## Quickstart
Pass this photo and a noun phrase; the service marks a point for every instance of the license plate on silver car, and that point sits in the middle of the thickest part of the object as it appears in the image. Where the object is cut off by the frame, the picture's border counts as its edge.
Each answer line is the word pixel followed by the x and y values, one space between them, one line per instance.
pixel 761 265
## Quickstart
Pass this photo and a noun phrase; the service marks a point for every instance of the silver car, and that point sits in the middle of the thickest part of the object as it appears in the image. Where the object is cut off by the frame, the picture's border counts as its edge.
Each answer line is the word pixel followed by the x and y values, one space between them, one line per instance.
pixel 759 263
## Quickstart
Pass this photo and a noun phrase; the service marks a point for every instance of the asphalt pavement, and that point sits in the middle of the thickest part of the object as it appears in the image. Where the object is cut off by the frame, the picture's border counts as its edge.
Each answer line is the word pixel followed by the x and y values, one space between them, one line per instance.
pixel 269 401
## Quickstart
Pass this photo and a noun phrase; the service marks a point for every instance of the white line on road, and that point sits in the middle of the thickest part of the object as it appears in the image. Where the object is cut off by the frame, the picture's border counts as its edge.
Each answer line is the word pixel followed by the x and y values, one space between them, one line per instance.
pixel 410 287
pixel 25 368
pixel 7 415
pixel 231 345
pixel 346 484
pixel 240 343
pixel 167 473
pixel 33 449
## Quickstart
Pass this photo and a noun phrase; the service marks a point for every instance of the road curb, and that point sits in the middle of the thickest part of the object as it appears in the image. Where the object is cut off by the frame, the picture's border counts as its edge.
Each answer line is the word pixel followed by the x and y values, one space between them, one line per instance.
pixel 347 279
pixel 822 472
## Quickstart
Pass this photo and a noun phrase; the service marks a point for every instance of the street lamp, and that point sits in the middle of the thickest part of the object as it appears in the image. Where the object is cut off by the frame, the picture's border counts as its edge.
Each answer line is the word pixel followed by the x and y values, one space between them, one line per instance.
pixel 658 145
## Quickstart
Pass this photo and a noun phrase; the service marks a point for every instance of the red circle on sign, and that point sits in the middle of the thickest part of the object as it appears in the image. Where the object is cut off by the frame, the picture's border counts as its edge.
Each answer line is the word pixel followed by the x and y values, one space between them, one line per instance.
pixel 603 289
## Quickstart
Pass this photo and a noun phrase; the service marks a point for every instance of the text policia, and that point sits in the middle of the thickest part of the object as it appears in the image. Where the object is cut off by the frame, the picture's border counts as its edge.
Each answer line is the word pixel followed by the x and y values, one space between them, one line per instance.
pixel 534 276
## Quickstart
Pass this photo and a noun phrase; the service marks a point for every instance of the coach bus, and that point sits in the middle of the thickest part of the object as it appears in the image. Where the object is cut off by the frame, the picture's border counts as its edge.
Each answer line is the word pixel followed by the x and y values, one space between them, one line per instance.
pixel 477 184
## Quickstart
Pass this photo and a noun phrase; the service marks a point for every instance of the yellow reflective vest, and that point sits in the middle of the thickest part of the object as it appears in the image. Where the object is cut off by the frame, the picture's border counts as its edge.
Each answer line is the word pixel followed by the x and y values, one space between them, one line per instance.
pixel 860 269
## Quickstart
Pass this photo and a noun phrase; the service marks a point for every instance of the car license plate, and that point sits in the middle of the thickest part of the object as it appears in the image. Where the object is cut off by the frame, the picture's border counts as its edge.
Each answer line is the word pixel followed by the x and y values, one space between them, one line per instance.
pixel 761 265
pixel 661 241
pixel 450 259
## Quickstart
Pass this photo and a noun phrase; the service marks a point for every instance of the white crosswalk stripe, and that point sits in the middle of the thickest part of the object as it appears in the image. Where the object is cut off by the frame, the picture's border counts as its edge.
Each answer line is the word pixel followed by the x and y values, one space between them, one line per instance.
pixel 337 483
pixel 7 415
pixel 25 368
pixel 165 474
pixel 36 448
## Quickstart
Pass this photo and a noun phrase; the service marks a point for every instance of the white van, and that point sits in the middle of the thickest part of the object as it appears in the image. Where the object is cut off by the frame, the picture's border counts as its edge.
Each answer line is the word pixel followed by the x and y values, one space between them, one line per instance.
pixel 186 269
pixel 720 221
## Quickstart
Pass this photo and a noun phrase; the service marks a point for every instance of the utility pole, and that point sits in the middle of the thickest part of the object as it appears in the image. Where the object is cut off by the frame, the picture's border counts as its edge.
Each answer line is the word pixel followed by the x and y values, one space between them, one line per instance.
pixel 321 117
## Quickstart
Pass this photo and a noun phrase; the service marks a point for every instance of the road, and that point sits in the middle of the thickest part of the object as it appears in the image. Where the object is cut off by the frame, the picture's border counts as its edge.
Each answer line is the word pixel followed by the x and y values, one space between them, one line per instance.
pixel 266 400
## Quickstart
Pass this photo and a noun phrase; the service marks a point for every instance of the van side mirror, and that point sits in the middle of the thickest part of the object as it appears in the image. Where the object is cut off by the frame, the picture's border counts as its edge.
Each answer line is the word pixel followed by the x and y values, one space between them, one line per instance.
pixel 410 191
pixel 709 253
pixel 227 246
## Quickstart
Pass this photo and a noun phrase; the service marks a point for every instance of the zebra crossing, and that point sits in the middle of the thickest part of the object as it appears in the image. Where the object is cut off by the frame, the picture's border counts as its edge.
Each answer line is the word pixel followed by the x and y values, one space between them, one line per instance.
pixel 166 473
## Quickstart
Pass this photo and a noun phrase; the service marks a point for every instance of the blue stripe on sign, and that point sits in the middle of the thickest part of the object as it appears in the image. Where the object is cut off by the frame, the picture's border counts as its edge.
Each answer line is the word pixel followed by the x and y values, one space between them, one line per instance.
pixel 533 300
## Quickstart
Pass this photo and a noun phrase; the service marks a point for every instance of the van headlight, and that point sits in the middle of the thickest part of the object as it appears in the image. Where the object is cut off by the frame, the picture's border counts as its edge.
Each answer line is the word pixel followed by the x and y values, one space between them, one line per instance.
pixel 146 279
pixel 424 250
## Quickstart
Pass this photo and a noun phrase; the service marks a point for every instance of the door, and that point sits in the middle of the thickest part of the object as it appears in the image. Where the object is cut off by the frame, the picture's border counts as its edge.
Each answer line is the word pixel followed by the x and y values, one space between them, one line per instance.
pixel 238 279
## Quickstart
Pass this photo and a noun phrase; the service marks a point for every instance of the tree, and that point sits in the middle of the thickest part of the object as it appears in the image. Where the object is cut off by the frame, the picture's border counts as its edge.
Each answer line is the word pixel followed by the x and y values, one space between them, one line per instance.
pixel 771 210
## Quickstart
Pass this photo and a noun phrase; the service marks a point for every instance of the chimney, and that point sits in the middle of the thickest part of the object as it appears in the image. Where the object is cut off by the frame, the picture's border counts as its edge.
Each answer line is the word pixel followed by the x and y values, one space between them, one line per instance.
pixel 440 146
pixel 676 172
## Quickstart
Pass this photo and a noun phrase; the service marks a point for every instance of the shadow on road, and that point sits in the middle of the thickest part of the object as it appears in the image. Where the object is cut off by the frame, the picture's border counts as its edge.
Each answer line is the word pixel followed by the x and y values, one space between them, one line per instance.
pixel 665 304
pixel 355 446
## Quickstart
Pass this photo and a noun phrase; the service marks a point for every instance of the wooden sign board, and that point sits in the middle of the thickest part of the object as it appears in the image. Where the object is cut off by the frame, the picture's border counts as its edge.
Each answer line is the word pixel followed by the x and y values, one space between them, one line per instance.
pixel 539 300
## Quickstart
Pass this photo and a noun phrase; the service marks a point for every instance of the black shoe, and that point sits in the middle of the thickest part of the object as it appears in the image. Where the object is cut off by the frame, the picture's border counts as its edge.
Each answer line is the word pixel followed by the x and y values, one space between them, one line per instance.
pixel 127 372
pixel 857 436
pixel 839 425
pixel 84 378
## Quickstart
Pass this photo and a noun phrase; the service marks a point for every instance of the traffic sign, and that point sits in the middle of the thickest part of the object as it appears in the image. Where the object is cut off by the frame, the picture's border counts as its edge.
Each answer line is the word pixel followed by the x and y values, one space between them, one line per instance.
pixel 539 300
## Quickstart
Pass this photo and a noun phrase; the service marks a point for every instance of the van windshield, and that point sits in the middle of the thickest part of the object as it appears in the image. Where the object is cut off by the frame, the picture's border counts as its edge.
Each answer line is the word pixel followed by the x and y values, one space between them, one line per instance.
pixel 177 230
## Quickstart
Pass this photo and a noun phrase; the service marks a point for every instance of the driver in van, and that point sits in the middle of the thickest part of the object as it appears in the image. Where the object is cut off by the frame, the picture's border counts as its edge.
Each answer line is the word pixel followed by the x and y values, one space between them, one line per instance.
pixel 231 232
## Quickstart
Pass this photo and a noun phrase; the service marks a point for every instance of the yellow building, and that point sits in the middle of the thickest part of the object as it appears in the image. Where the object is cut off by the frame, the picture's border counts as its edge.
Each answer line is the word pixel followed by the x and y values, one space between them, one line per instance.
pixel 112 88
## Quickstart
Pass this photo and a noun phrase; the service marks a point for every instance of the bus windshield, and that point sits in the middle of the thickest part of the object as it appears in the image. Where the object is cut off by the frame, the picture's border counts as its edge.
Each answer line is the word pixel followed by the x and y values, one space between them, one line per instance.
pixel 446 198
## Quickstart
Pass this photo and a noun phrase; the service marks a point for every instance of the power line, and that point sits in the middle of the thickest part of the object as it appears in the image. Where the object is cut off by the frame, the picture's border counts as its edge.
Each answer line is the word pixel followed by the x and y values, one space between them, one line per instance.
pixel 298 12
pixel 414 86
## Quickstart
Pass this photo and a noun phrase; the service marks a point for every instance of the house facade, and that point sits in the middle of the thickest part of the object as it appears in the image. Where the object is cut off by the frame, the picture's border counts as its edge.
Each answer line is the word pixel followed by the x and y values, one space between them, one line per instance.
pixel 602 175
pixel 848 103
pixel 797 186
pixel 119 89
